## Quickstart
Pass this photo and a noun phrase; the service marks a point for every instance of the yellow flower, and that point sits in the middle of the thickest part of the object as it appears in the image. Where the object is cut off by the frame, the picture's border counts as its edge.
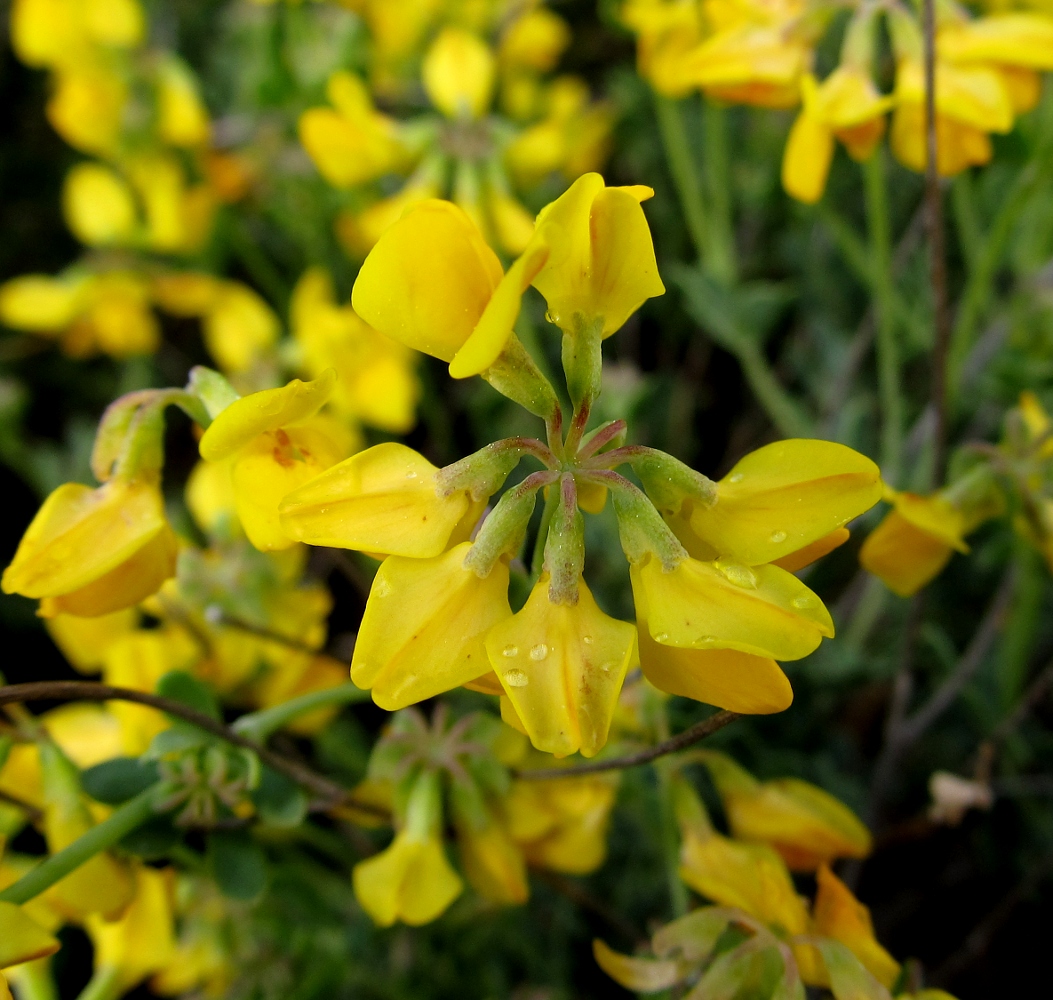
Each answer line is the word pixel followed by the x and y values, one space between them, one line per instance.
pixel 762 610
pixel 846 106
pixel 562 667
pixel 432 283
pixel 667 32
pixel 534 41
pixel 600 266
pixel 493 863
pixel 806 825
pixel 914 542
pixel 411 880
pixel 385 499
pixel 351 142
pixel 142 941
pixel 274 442
pixel 458 74
pixel 375 379
pixel 359 232
pixel 22 939
pixel 84 641
pixel 561 824
pixel 57 32
pixel 839 915
pixel 182 118
pixel 87 107
pixel 424 627
pixel 99 206
pixel 91 552
pixel 299 676
pixel 780 499
pixel 971 101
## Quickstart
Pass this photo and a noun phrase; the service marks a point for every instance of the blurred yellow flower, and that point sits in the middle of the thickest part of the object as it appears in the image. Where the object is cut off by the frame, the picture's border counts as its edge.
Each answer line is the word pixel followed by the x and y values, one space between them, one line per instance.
pixel 458 74
pixel 22 939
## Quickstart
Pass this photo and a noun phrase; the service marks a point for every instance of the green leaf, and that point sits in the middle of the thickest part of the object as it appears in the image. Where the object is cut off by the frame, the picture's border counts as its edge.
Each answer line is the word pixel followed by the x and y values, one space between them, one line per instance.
pixel 238 864
pixel 279 800
pixel 153 841
pixel 115 781
pixel 176 740
pixel 849 979
pixel 183 687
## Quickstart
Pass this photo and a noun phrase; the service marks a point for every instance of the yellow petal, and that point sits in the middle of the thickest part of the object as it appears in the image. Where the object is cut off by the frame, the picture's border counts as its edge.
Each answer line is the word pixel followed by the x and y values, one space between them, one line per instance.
pixel 86 733
pixel 424 627
pixel 239 327
pixel 428 280
pixel 268 410
pixel 536 39
pixel 494 865
pixel 785 496
pixel 970 95
pixel 348 151
pixel 959 145
pixel 21 938
pixel 182 118
pixel 807 158
pixel 562 667
pixel 494 328
pixel 642 975
pixel 20 774
pixel 142 942
pixel 601 260
pixel 458 74
pixel 904 556
pixel 84 641
pixel 383 499
pixel 839 915
pixel 935 516
pixel 98 205
pixel 40 303
pixel 209 497
pixel 765 611
pixel 272 466
pixel 1010 39
pixel 87 107
pixel 751 877
pixel 120 317
pixel 186 293
pixel 81 534
pixel 411 881
pixel 809 554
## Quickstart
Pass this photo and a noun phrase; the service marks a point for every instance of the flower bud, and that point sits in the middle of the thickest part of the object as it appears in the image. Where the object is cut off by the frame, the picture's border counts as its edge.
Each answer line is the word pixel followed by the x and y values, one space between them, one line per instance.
pixel 562 667
pixel 424 627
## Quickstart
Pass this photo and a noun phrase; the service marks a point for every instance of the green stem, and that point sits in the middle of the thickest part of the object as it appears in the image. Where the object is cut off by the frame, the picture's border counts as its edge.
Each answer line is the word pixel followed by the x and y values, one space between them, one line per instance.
pixel 780 406
pixel 538 558
pixel 117 825
pixel 881 284
pixel 105 984
pixel 723 263
pixel 34 980
pixel 684 170
pixel 870 608
pixel 261 269
pixel 259 725
pixel 963 201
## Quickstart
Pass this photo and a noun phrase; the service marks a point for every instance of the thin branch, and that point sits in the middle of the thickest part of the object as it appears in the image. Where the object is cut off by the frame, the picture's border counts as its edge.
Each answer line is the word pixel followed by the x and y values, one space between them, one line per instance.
pixel 937 249
pixel 697 733
pixel 91 691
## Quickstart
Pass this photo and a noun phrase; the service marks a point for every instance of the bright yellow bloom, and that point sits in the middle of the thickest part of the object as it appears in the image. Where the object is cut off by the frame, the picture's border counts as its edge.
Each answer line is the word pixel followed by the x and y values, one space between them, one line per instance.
pixel 90 552
pixel 142 941
pixel 299 676
pixel 914 542
pixel 375 379
pixel 182 117
pixel 534 41
pixel 432 283
pixel 600 266
pixel 561 824
pixel 351 142
pixel 562 666
pixel 359 232
pixel 87 733
pixel 99 206
pixel 809 554
pixel 458 74
pixel 424 627
pixel 806 825
pixel 667 32
pixel 412 881
pixel 839 915
pixel 20 774
pixel 385 499
pixel 275 443
pixel 493 863
pixel 84 641
pixel 782 498
pixel 846 106
pixel 58 32
pixel 87 107
pixel 209 497
pixel 762 610
pixel 22 939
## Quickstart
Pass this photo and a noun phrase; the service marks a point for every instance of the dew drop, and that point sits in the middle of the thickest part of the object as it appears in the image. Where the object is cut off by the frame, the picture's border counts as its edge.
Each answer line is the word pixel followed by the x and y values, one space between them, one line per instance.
pixel 381 588
pixel 510 651
pixel 588 640
pixel 516 679
pixel 214 614
pixel 802 602
pixel 411 474
pixel 706 640
pixel 538 652
pixel 741 576
pixel 661 637
pixel 736 478
pixel 778 536
pixel 607 667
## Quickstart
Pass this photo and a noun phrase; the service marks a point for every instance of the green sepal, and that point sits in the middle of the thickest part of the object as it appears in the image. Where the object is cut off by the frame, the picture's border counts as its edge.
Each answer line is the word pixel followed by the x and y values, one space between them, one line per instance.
pixel 640 527
pixel 515 374
pixel 668 481
pixel 214 391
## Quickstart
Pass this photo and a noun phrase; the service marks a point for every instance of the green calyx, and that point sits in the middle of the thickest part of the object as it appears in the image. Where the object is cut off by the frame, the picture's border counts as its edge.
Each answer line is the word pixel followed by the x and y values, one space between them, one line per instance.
pixel 641 529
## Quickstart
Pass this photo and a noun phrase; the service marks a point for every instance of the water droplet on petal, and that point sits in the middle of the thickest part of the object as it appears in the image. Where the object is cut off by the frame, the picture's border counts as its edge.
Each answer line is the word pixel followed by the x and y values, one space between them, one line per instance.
pixel 510 651
pixel 588 640
pixel 516 679
pixel 736 573
pixel 411 474
pixel 803 601
pixel 706 640
pixel 538 652
pixel 778 536
pixel 661 637
pixel 736 478
pixel 608 667
pixel 381 588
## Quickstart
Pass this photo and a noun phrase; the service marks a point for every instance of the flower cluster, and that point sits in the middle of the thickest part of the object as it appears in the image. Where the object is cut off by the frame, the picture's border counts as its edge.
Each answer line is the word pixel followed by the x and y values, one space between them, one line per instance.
pixel 763 54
